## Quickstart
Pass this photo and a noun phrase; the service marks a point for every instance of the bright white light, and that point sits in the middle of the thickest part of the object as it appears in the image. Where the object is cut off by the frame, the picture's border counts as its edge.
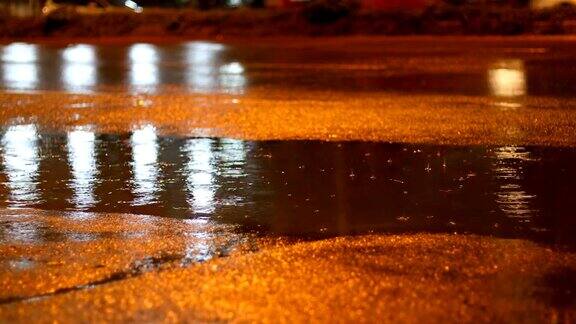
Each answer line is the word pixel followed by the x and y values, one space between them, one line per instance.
pixel 20 76
pixel 201 171
pixel 81 154
pixel 232 68
pixel 20 53
pixel 205 73
pixel 145 164
pixel 143 53
pixel 131 4
pixel 79 77
pixel 508 79
pixel 80 54
pixel 201 59
pixel 79 70
pixel 232 79
pixel 19 67
pixel 144 72
pixel 21 162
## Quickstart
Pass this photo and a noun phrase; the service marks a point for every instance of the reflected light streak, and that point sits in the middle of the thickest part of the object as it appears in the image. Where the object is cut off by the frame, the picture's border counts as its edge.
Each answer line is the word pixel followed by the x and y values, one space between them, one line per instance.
pixel 507 79
pixel 206 73
pixel 144 142
pixel 511 198
pixel 20 70
pixel 144 72
pixel 233 157
pixel 200 247
pixel 21 163
pixel 201 171
pixel 81 154
pixel 232 78
pixel 26 232
pixel 201 60
pixel 79 68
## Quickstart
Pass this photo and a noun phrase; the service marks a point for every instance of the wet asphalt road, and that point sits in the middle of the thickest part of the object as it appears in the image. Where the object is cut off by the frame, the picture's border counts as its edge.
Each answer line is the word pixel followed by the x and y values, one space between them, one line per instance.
pixel 502 67
pixel 238 145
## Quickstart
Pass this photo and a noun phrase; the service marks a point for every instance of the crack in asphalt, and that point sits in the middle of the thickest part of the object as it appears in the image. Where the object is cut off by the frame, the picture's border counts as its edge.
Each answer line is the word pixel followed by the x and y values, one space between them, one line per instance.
pixel 138 267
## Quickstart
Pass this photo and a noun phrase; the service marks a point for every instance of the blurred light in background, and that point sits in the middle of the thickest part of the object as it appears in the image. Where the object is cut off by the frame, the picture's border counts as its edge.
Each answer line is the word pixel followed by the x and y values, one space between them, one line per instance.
pixel 207 73
pixel 21 163
pixel 202 58
pixel 79 68
pixel 19 66
pixel 144 75
pixel 144 142
pixel 507 79
pixel 81 154
pixel 232 78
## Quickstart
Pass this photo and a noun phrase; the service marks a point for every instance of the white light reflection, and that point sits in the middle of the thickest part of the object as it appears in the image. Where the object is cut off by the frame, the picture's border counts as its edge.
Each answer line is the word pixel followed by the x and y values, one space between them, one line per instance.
pixel 201 171
pixel 19 53
pixel 19 67
pixel 200 247
pixel 512 199
pixel 144 73
pixel 79 68
pixel 206 73
pixel 81 154
pixel 507 79
pixel 233 157
pixel 23 231
pixel 144 143
pixel 21 163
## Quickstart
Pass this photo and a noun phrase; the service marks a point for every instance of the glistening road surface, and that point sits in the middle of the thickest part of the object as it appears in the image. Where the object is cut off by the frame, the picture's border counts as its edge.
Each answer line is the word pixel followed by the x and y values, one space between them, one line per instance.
pixel 139 181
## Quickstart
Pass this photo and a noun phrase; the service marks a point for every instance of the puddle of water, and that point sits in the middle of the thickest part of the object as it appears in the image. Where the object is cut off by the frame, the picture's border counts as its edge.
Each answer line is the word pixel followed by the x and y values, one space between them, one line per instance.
pixel 297 188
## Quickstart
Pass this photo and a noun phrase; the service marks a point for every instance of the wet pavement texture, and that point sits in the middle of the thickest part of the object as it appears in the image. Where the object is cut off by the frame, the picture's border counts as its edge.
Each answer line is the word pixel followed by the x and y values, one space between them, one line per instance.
pixel 47 253
pixel 433 177
pixel 406 278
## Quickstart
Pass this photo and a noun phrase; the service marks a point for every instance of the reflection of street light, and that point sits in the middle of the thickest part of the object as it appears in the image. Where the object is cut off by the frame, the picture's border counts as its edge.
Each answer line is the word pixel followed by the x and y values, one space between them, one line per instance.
pixel 511 198
pixel 233 156
pixel 19 53
pixel 507 79
pixel 20 70
pixel 202 59
pixel 21 162
pixel 144 72
pixel 201 171
pixel 206 73
pixel 81 147
pixel 79 70
pixel 145 164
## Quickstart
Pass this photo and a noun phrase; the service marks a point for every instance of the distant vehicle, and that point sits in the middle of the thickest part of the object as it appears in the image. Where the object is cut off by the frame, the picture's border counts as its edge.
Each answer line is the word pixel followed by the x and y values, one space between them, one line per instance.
pixel 541 4
pixel 91 6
